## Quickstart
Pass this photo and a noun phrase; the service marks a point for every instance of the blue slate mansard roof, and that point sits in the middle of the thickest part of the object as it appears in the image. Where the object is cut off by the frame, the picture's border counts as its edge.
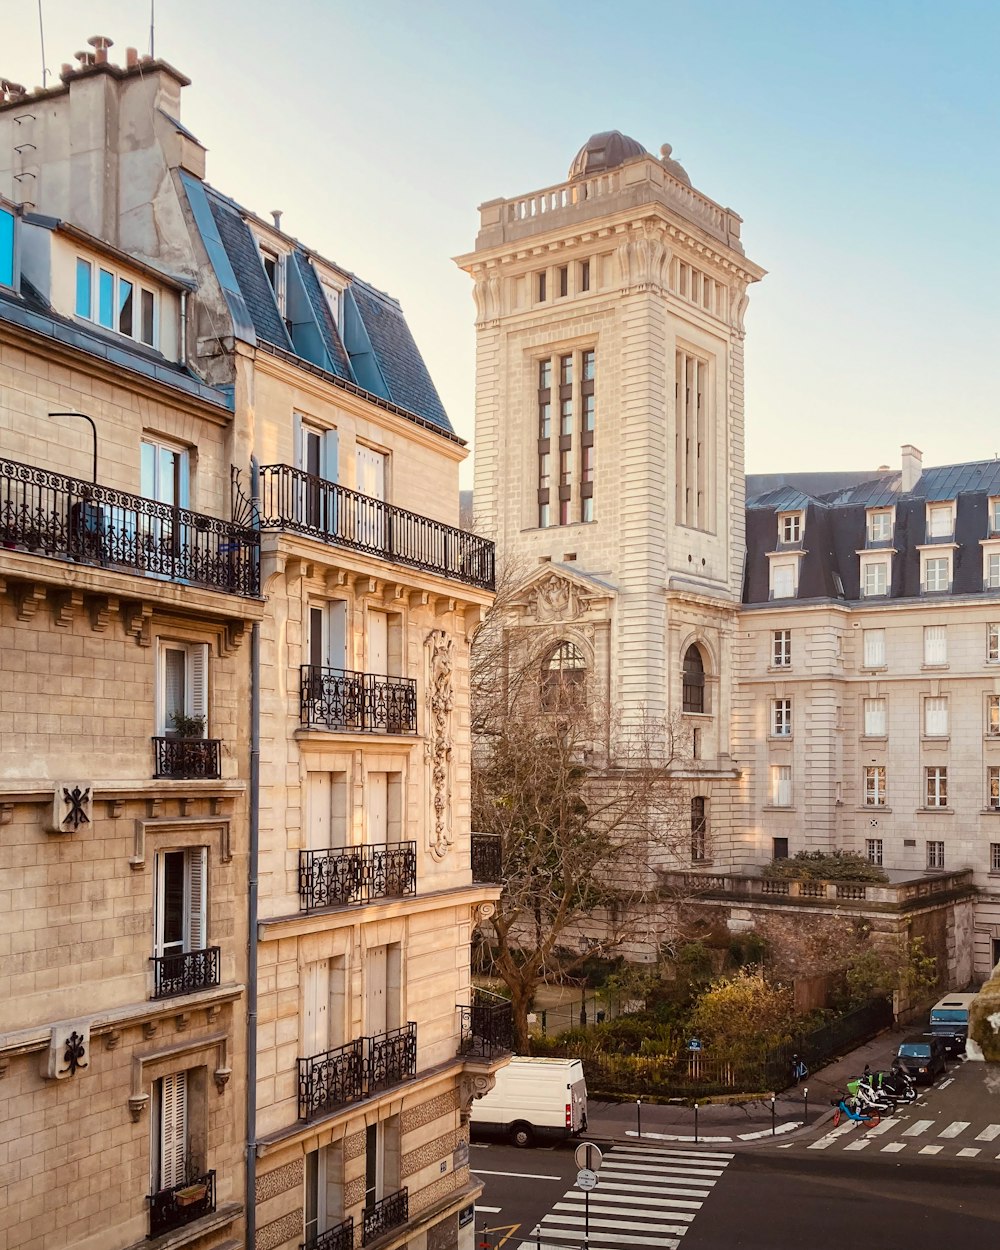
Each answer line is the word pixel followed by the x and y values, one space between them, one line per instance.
pixel 372 350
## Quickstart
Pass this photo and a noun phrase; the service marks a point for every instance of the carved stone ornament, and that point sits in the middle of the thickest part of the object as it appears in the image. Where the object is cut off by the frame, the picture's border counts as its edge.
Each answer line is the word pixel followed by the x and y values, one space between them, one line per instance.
pixel 556 598
pixel 484 911
pixel 473 1085
pixel 440 688
pixel 222 1076
pixel 69 1050
pixel 137 1105
pixel 72 807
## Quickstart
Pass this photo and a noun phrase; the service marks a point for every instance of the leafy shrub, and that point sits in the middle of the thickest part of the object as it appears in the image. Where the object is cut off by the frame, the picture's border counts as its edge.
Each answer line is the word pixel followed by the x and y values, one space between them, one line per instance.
pixel 825 866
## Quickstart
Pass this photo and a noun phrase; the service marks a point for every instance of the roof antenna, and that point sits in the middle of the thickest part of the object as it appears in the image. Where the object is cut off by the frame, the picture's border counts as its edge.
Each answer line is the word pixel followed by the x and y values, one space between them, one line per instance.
pixel 41 40
pixel 152 28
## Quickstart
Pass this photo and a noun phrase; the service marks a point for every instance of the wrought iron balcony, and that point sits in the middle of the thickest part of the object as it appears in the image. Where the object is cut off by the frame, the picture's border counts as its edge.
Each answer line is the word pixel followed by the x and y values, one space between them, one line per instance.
pixel 356 874
pixel 171 1209
pixel 388 1213
pixel 335 1078
pixel 487 858
pixel 487 1026
pixel 186 971
pixel 338 698
pixel 54 515
pixel 340 1237
pixel 293 499
pixel 188 758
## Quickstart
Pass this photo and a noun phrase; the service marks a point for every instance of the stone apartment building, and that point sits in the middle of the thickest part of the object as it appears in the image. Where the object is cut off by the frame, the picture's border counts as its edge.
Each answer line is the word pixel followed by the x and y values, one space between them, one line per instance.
pixel 234 960
pixel 609 468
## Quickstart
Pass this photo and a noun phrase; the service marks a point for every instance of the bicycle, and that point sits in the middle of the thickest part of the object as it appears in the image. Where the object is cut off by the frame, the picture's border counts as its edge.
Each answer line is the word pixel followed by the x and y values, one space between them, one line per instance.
pixel 868 1118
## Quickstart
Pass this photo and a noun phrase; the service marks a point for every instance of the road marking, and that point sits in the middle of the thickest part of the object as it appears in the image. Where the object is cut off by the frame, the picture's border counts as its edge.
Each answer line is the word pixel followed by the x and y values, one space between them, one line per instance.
pixel 630 1132
pixel 526 1176
pixel 602 1194
pixel 566 1226
pixel 831 1137
pixel 576 1215
pixel 857 1145
pixel 930 1150
pixel 883 1126
pixel 953 1129
pixel 619 1187
pixel 894 1147
pixel 654 1155
pixel 918 1127
pixel 787 1127
pixel 969 1152
pixel 945 1084
pixel 988 1134
pixel 487 1210
pixel 673 1166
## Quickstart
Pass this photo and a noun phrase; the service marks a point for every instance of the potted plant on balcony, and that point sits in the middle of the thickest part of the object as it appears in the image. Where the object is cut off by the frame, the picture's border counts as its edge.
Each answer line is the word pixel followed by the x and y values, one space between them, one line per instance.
pixel 191 1194
pixel 185 726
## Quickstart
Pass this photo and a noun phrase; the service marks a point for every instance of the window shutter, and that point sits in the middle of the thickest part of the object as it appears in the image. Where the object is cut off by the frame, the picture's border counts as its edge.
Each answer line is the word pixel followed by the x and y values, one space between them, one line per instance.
pixel 331 456
pixel 198 681
pixel 300 460
pixel 173 667
pixel 197 891
pixel 173 1129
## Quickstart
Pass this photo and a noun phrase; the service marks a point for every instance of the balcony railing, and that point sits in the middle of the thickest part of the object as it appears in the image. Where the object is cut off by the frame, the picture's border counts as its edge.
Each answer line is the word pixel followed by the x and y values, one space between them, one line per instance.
pixel 55 515
pixel 187 758
pixel 487 1027
pixel 356 874
pixel 293 499
pixel 487 858
pixel 171 1209
pixel 338 698
pixel 186 971
pixel 388 1213
pixel 335 1078
pixel 340 1237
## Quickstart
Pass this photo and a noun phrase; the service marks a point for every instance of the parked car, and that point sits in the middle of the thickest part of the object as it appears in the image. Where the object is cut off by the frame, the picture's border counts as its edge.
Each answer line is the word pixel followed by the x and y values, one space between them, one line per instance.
pixel 950 1021
pixel 923 1057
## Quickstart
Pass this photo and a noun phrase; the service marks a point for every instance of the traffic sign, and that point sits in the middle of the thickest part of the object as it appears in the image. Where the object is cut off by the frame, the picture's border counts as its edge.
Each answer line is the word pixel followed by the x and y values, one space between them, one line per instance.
pixel 694 1044
pixel 588 1156
pixel 586 1180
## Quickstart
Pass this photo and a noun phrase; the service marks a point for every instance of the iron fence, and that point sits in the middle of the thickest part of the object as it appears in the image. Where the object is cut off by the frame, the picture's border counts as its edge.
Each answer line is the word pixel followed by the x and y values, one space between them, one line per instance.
pixel 487 858
pixel 338 698
pixel 339 1237
pixel 55 515
pixel 349 1073
pixel 356 874
pixel 188 758
pixel 487 1026
pixel 186 971
pixel 293 499
pixel 386 1214
pixel 170 1209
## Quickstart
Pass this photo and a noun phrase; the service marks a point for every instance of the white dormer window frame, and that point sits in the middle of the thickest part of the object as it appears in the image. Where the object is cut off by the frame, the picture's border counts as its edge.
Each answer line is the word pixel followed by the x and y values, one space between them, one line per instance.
pixel 991 565
pixel 994 516
pixel 879 525
pixel 273 261
pixel 875 575
pixel 936 569
pixel 334 297
pixel 791 526
pixel 784 579
pixel 941 520
pixel 117 300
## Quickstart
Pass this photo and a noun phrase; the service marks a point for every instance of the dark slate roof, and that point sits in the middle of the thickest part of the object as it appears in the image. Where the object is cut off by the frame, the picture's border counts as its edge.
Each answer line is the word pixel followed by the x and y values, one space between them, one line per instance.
pixel 241 249
pixel 399 360
pixel 813 484
pixel 33 312
pixel 338 362
pixel 835 531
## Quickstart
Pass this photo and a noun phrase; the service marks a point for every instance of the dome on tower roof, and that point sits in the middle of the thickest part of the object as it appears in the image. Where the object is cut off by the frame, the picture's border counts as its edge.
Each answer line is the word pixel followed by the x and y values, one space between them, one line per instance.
pixel 604 151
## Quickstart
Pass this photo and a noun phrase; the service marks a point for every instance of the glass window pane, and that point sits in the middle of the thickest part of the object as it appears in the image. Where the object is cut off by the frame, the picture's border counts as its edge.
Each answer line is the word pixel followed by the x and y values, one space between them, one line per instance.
pixel 147 331
pixel 84 288
pixel 172 934
pixel 106 299
pixel 125 307
pixel 6 248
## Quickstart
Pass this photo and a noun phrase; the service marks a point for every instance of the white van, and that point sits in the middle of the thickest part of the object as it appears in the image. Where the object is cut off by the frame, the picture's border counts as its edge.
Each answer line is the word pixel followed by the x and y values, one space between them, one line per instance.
pixel 534 1098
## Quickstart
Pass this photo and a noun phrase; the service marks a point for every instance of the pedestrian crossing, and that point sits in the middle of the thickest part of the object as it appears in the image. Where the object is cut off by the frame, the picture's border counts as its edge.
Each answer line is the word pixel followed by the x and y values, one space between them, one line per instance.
pixel 645 1197
pixel 898 1134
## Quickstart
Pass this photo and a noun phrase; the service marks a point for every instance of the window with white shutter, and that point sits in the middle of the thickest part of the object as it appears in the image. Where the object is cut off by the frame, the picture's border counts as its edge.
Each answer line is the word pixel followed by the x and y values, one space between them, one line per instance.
pixel 781 785
pixel 170 1131
pixel 874 648
pixel 875 718
pixel 935 644
pixel 181 901
pixel 936 717
pixel 182 687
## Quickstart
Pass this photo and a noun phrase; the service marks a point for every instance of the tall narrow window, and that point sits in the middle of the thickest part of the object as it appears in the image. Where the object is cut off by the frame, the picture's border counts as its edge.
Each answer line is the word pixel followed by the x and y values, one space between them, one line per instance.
pixel 993 715
pixel 936 788
pixel 692 442
pixel 147 318
pixel 169 1125
pixel 7 248
pixel 876 578
pixel 873 851
pixel 873 648
pixel 875 786
pixel 783 578
pixel 935 644
pixel 106 299
pixel 781 785
pixel 781 648
pixel 875 718
pixel 126 307
pixel 699 828
pixel 937 574
pixel 993 643
pixel 544 443
pixel 994 521
pixel 993 787
pixel 181 901
pixel 584 275
pixel 935 854
pixel 781 718
pixel 991 570
pixel 693 691
pixel 936 717
pixel 182 689
pixel 565 438
pixel 541 288
pixel 588 418
pixel 84 288
pixel 879 527
pixel 563 273
pixel 564 674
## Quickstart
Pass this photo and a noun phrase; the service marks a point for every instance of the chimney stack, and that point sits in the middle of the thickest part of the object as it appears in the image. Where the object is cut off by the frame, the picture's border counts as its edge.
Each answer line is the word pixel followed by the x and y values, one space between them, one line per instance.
pixel 276 215
pixel 913 463
pixel 131 57
pixel 100 44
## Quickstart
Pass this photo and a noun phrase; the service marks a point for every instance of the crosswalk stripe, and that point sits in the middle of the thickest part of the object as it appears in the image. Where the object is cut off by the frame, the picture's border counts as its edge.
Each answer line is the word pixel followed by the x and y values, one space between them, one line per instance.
pixel 577 1234
pixel 629 1191
pixel 574 1217
pixel 988 1134
pixel 631 1200
pixel 918 1127
pixel 626 1172
pixel 894 1147
pixel 700 1165
pixel 883 1126
pixel 930 1150
pixel 953 1129
pixel 860 1144
pixel 969 1152
pixel 660 1152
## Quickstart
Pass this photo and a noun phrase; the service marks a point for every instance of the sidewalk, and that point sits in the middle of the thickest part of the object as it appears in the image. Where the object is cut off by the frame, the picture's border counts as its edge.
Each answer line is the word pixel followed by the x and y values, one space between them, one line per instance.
pixel 730 1124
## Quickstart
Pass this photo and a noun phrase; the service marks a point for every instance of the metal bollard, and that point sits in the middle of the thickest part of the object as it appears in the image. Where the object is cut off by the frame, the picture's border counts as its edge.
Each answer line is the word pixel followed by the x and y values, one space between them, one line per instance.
pixel 805 1105
pixel 696 1124
pixel 772 1115
pixel 638 1117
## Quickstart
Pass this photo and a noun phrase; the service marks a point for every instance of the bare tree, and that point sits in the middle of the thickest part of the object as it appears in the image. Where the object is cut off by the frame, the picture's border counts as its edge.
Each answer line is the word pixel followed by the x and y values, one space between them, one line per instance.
pixel 586 810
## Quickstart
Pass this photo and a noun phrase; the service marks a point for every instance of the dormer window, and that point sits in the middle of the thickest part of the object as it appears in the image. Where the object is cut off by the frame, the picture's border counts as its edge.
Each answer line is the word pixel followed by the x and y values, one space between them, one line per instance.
pixel 333 298
pixel 784 576
pixel 274 270
pixel 879 526
pixel 790 527
pixel 116 302
pixel 994 505
pixel 6 247
pixel 940 520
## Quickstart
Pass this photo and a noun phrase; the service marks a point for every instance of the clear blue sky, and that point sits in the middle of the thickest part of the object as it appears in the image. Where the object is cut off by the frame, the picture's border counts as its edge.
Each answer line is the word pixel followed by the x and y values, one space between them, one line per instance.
pixel 859 141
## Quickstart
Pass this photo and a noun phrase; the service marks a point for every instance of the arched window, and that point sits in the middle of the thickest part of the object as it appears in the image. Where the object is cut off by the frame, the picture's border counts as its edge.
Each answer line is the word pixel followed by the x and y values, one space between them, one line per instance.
pixel 694 681
pixel 564 673
pixel 699 828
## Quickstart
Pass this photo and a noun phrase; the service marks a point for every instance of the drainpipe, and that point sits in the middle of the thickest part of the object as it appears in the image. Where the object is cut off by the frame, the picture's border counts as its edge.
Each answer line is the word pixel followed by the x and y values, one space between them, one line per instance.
pixel 184 323
pixel 254 854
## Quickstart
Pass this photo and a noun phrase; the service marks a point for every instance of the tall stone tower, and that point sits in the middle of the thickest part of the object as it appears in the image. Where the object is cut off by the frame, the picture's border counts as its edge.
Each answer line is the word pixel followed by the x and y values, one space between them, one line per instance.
pixel 609 433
